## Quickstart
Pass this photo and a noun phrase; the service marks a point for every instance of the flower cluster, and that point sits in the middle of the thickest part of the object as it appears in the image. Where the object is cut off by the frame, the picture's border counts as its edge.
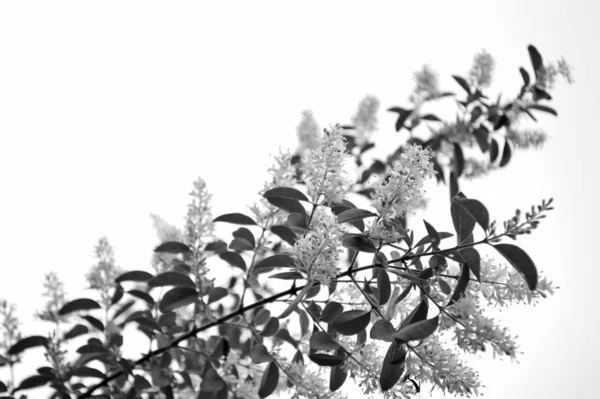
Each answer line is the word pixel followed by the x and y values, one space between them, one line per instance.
pixel 426 85
pixel 474 330
pixel 323 167
pixel 198 221
pixel 385 231
pixel 318 251
pixel 502 285
pixel 482 70
pixel 307 130
pixel 527 137
pixel 308 383
pixel 403 190
pixel 443 368
pixel 365 119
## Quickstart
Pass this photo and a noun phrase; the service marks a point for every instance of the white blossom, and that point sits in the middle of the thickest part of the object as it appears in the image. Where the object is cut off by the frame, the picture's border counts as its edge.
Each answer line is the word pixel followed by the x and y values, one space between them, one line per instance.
pixel 482 70
pixel 323 167
pixel 318 251
pixel 403 191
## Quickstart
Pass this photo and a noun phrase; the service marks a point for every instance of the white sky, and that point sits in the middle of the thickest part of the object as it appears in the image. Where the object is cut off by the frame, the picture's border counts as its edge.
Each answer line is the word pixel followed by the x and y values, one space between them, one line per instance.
pixel 109 110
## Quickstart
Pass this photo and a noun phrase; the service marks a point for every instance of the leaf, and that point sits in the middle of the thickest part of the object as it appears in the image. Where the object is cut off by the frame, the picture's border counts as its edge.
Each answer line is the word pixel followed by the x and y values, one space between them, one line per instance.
pixel 444 286
pixel 536 59
pixel 271 327
pixel 235 218
pixel 520 261
pixel 331 311
pixel 337 377
pixel 234 259
pixel 285 233
pixel 88 372
pixel 431 117
pixel 392 367
pixel 149 323
pixel 286 192
pixel 97 324
pixel 354 214
pixel 482 136
pixel 76 331
pixel 359 243
pixel 453 185
pixel 259 354
pixel 177 297
pixel 245 234
pixel 461 286
pixel 33 381
pixel 473 260
pixel 173 247
pixel 408 276
pixel 269 381
pixel 463 221
pixel 77 305
pixel 27 343
pixel 494 150
pixel 417 331
pixel 288 205
pixel 352 322
pixel 506 154
pixel 241 244
pixel 433 234
pixel 459 160
pixel 382 329
pixel 419 313
pixel 325 360
pixel 463 83
pixel 322 341
pixel 216 246
pixel 403 115
pixel 384 287
pixel 427 239
pixel 144 296
pixel 296 300
pixel 134 275
pixel 216 293
pixel 288 276
pixel 170 278
pixel 117 295
pixel 477 210
pixel 543 108
pixel 525 76
pixel 276 261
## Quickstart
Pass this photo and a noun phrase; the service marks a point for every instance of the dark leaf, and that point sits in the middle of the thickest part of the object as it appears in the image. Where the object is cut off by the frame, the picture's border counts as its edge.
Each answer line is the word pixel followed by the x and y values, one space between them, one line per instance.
pixel 434 236
pixel 241 244
pixel 506 154
pixel 269 381
pixel 97 324
pixel 325 360
pixel 216 293
pixel 144 296
pixel 148 323
pixel 384 287
pixel 170 278
pixel 463 221
pixel 288 205
pixel 77 305
pixel 177 297
pixel 536 59
pixel 337 377
pixel 463 83
pixel 417 331
pixel 173 247
pixel 134 275
pixel 320 340
pixel 392 367
pixel 288 276
pixel 494 150
pixel 286 192
pixel 482 136
pixel 88 372
pixel 276 261
pixel 351 215
pixel 444 286
pixel 502 121
pixel 76 331
pixel 525 76
pixel 461 286
pixel 359 243
pixel 26 343
pixel 331 311
pixel 453 185
pixel 285 233
pixel 473 260
pixel 418 314
pixel 33 381
pixel 216 246
pixel 543 108
pixel 260 354
pixel 427 239
pixel 459 160
pixel 520 261
pixel 477 210
pixel 271 327
pixel 403 115
pixel 431 117
pixel 246 234
pixel 236 218
pixel 351 322
pixel 234 259
pixel 382 329
pixel 117 295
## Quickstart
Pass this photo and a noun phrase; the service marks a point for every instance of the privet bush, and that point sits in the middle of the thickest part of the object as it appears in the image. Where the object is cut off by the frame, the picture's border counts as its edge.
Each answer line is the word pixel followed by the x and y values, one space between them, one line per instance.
pixel 327 281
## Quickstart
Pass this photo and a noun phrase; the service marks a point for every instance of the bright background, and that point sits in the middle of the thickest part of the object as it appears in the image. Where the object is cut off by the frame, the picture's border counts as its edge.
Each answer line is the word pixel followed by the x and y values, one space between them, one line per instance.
pixel 109 110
